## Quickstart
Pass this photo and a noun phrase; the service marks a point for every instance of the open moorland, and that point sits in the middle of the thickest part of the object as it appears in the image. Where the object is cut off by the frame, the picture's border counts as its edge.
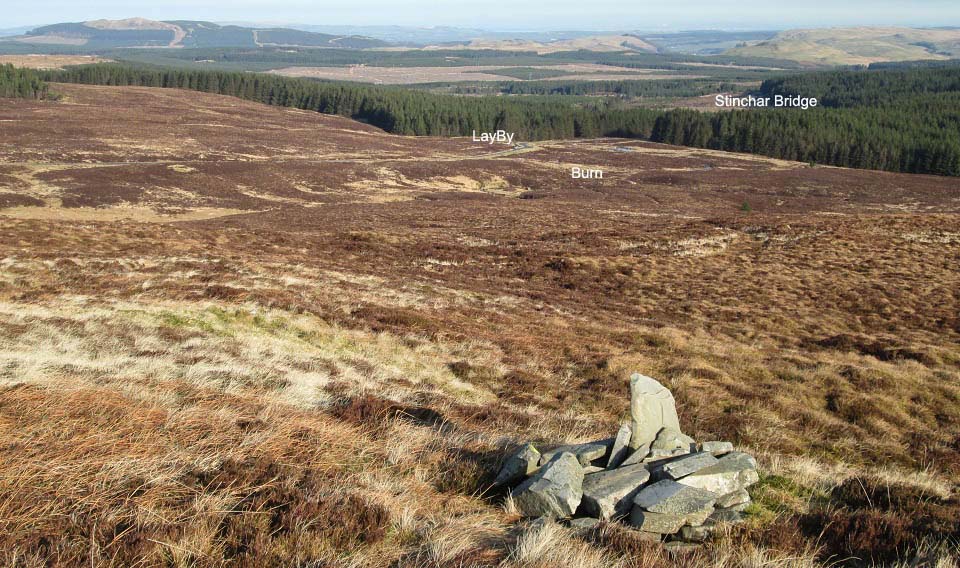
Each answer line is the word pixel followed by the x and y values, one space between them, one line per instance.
pixel 43 61
pixel 235 334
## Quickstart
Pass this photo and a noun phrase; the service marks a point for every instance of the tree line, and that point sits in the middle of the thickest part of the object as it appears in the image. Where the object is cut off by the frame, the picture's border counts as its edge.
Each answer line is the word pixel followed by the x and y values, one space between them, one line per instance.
pixel 875 87
pixel 892 120
pixel 16 82
pixel 394 109
pixel 627 89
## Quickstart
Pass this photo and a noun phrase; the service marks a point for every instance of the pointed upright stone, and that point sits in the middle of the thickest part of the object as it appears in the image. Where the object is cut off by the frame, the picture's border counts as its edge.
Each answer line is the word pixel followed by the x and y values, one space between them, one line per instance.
pixel 652 408
pixel 621 446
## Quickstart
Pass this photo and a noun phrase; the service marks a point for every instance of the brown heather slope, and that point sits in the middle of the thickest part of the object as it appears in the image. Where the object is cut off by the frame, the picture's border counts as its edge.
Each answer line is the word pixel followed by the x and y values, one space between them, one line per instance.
pixel 242 335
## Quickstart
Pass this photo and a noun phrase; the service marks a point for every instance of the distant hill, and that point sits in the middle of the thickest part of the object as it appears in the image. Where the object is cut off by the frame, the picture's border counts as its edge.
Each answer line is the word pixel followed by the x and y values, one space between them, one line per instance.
pixel 623 42
pixel 856 46
pixel 139 32
pixel 704 42
pixel 434 35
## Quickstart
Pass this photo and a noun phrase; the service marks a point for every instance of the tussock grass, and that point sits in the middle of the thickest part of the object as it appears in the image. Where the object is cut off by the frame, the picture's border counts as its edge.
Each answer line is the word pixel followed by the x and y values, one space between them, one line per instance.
pixel 217 406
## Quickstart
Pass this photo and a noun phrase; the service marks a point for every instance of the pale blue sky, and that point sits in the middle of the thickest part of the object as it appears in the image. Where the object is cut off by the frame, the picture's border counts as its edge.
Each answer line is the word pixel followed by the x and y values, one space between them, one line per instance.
pixel 504 14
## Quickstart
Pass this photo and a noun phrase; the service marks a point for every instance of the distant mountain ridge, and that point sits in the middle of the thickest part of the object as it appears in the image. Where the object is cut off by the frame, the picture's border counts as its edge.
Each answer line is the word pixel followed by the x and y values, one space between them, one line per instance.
pixel 857 46
pixel 140 32
pixel 808 47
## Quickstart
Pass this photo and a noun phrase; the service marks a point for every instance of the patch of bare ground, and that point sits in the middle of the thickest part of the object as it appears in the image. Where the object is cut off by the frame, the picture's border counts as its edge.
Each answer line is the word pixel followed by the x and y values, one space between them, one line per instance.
pixel 414 75
pixel 333 377
pixel 44 61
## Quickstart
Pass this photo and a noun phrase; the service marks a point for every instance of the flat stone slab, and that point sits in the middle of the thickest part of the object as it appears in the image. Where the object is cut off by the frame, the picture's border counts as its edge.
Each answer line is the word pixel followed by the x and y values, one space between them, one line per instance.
pixel 688 464
pixel 652 408
pixel 662 455
pixel 738 497
pixel 554 491
pixel 717 448
pixel 522 463
pixel 621 446
pixel 672 498
pixel 610 493
pixel 731 473
pixel 585 453
pixel 656 459
pixel 658 523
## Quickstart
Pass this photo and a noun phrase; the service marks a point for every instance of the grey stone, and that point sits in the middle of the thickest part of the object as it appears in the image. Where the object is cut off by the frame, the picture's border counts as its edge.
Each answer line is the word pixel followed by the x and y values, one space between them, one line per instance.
pixel 651 409
pixel 538 524
pixel 588 469
pixel 731 473
pixel 738 497
pixel 610 493
pixel 585 453
pixel 636 456
pixel 659 523
pixel 669 439
pixel 669 497
pixel 554 491
pixel 621 446
pixel 741 459
pixel 680 548
pixel 584 523
pixel 658 455
pixel 728 515
pixel 702 533
pixel 518 466
pixel 656 459
pixel 716 448
pixel 686 465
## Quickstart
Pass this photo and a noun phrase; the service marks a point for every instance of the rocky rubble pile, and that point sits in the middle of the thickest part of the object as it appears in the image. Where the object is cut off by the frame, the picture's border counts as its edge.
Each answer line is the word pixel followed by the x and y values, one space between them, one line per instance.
pixel 650 474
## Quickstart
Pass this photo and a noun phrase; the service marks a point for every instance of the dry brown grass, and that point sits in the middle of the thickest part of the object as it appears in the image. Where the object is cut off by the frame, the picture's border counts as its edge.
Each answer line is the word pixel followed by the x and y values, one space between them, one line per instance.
pixel 38 61
pixel 336 385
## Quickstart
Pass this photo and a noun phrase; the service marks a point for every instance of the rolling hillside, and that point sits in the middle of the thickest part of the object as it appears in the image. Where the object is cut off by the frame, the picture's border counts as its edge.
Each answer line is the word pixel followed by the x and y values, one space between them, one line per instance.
pixel 139 32
pixel 244 335
pixel 857 46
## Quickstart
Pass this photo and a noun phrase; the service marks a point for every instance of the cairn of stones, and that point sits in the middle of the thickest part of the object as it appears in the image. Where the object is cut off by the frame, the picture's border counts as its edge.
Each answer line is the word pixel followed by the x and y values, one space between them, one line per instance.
pixel 650 475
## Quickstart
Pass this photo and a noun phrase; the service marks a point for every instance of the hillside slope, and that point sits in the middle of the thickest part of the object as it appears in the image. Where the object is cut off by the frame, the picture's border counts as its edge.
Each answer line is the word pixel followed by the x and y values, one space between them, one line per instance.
pixel 259 336
pixel 140 32
pixel 857 46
